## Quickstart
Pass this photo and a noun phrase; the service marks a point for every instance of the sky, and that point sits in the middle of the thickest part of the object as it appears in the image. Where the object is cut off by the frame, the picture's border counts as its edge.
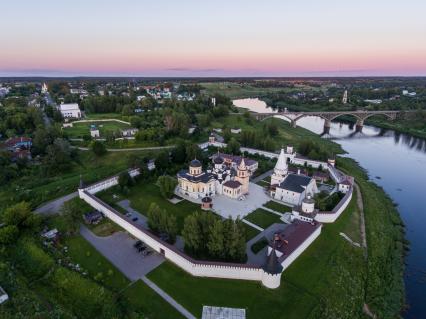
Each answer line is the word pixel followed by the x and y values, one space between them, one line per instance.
pixel 202 38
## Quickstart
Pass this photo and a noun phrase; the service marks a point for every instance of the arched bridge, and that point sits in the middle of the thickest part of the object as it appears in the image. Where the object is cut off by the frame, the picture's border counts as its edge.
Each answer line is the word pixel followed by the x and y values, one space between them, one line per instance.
pixel 360 116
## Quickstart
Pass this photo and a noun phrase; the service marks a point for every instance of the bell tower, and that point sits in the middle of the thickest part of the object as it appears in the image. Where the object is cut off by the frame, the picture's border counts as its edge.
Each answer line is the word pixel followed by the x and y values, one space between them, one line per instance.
pixel 243 177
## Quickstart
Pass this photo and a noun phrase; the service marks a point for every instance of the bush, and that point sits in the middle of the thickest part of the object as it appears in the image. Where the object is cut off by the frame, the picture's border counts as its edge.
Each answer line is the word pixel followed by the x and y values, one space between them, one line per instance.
pixel 32 260
pixel 86 298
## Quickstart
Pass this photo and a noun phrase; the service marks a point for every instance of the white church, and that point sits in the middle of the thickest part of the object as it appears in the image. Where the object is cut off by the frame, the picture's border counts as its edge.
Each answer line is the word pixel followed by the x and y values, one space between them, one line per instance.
pixel 290 188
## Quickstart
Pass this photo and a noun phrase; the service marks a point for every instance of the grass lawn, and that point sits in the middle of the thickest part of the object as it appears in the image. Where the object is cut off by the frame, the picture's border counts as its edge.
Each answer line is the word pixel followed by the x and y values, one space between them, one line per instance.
pixel 142 298
pixel 90 259
pixel 262 218
pixel 106 116
pixel 281 208
pixel 250 232
pixel 259 245
pixel 143 194
pixel 81 129
pixel 104 228
pixel 262 183
pixel 191 292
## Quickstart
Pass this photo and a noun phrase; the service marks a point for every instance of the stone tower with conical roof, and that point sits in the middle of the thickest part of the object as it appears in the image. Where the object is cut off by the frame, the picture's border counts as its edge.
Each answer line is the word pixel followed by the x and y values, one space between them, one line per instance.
pixel 280 170
pixel 243 177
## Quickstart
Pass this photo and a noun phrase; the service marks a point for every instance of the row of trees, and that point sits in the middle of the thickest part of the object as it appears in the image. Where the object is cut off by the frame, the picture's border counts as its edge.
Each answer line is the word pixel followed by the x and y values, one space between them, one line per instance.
pixel 162 223
pixel 210 237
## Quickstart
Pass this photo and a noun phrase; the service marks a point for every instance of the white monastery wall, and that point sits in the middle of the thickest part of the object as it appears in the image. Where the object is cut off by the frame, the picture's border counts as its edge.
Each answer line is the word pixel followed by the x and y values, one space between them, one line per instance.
pixel 109 182
pixel 330 217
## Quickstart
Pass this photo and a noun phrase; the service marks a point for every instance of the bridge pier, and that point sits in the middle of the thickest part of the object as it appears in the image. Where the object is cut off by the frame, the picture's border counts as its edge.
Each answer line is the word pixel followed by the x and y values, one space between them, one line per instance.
pixel 359 125
pixel 293 124
pixel 327 123
pixel 326 130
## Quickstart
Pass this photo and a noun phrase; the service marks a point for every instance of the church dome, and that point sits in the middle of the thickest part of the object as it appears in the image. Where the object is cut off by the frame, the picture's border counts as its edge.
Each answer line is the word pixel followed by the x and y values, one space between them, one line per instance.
pixel 218 160
pixel 195 163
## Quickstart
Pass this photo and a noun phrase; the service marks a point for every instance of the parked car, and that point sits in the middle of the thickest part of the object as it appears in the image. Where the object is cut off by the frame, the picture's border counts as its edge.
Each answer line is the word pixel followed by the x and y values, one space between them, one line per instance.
pixel 129 214
pixel 138 244
pixel 135 219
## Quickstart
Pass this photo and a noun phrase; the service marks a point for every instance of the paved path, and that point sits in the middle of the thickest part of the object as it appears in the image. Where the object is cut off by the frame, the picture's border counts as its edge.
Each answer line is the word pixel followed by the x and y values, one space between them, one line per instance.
pixel 118 249
pixel 272 211
pixel 153 148
pixel 252 225
pixel 54 206
pixel 262 176
pixel 169 299
pixel 360 204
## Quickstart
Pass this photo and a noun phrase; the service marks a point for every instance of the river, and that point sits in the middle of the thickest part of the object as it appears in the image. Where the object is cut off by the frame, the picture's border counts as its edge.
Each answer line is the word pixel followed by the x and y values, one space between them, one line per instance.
pixel 397 162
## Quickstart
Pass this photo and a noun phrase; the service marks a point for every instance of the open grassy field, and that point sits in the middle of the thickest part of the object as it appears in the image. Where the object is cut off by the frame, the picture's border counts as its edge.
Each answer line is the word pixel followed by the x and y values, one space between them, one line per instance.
pixel 237 91
pixel 277 207
pixel 81 129
pixel 262 218
pixel 287 135
pixel 287 302
pixel 142 298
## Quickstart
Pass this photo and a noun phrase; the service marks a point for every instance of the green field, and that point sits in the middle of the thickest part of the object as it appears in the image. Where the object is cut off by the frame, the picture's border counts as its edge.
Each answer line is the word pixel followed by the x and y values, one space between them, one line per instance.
pixel 237 91
pixel 262 218
pixel 142 298
pixel 250 232
pixel 277 207
pixel 79 130
pixel 193 293
pixel 287 135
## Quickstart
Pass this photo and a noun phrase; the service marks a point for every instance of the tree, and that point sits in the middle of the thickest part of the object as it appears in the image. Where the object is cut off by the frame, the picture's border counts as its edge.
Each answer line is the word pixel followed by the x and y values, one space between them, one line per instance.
pixel 124 180
pixel 192 234
pixel 98 148
pixel 72 212
pixel 233 146
pixel 167 185
pixel 159 221
pixel 21 216
pixel 154 217
pixel 216 243
pixel 8 234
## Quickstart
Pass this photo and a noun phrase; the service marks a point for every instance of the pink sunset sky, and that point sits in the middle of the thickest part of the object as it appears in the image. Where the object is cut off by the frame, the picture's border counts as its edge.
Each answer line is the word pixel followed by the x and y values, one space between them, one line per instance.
pixel 213 38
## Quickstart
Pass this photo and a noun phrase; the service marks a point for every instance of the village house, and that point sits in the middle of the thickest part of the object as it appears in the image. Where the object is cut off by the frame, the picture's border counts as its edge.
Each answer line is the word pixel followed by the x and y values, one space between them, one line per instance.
pixel 129 132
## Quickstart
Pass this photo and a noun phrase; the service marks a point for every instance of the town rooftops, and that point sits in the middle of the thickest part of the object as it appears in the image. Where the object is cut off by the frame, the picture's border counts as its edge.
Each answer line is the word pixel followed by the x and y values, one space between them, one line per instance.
pixel 292 236
pixel 237 159
pixel 232 184
pixel 295 183
pixel 13 141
